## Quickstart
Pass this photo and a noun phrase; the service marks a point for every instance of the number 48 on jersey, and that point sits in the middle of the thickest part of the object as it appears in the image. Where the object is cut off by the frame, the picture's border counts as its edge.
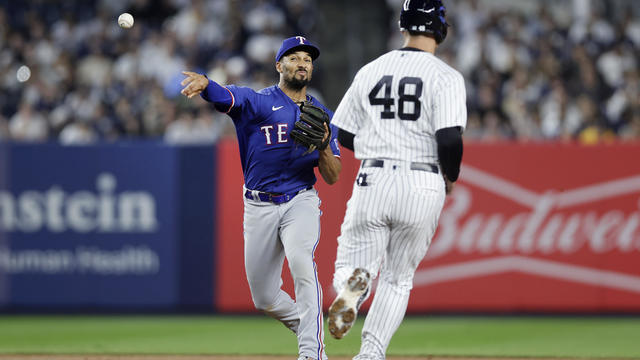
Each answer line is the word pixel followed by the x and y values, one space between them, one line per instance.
pixel 409 93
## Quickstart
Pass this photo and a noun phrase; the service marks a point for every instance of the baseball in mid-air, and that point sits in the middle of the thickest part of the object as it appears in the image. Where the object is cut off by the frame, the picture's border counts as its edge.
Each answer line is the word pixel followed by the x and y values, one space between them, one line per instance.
pixel 125 20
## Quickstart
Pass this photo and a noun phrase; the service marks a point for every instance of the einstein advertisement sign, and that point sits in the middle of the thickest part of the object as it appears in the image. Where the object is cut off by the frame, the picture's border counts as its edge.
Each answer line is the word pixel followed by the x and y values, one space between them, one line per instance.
pixel 88 226
pixel 100 209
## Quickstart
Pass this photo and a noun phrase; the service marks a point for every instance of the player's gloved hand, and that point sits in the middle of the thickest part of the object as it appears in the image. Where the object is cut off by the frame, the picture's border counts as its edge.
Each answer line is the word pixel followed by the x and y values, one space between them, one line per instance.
pixel 312 129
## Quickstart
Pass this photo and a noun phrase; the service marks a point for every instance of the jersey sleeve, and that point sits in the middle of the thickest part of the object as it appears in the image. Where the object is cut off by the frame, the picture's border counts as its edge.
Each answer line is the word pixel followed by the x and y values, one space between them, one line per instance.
pixel 450 103
pixel 244 102
pixel 219 95
pixel 349 114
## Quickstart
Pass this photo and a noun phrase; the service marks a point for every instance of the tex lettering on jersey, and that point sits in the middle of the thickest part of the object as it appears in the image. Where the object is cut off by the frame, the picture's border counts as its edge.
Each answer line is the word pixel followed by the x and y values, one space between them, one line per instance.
pixel 271 161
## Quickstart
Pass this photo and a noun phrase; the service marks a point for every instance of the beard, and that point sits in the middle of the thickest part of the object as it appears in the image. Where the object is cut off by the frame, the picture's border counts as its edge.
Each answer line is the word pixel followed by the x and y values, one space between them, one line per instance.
pixel 296 84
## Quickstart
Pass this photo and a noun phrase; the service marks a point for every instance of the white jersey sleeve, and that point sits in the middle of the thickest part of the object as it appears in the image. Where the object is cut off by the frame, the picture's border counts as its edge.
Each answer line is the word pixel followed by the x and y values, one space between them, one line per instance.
pixel 449 103
pixel 349 115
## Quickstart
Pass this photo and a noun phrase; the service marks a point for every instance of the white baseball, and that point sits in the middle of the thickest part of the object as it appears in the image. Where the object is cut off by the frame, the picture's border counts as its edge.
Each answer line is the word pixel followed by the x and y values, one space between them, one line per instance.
pixel 125 20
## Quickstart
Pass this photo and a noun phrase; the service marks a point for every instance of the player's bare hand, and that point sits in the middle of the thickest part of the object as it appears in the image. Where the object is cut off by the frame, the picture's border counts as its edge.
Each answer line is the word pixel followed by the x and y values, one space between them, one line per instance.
pixel 327 133
pixel 448 185
pixel 193 84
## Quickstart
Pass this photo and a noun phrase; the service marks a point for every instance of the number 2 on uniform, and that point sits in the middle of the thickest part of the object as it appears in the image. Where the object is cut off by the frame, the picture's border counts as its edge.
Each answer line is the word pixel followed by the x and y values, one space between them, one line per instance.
pixel 387 101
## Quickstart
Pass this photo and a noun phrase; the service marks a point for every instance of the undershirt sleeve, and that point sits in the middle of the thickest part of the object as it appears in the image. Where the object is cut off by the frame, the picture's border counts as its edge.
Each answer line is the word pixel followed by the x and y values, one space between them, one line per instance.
pixel 450 149
pixel 346 139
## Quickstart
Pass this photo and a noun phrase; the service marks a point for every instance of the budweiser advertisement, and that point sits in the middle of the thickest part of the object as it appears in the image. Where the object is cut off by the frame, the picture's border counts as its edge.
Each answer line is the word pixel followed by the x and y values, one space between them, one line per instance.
pixel 528 228
pixel 538 227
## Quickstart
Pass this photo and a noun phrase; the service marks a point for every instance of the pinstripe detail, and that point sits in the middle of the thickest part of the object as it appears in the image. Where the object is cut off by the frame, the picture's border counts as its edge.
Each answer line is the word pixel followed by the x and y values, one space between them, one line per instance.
pixel 443 104
pixel 387 229
pixel 393 214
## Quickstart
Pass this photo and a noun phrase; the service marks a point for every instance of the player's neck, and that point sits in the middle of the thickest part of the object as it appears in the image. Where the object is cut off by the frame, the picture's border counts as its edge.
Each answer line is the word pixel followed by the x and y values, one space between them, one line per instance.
pixel 296 95
pixel 423 43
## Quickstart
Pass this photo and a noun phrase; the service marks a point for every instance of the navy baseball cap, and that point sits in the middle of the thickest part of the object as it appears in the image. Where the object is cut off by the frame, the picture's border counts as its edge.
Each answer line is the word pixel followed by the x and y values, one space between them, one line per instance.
pixel 298 43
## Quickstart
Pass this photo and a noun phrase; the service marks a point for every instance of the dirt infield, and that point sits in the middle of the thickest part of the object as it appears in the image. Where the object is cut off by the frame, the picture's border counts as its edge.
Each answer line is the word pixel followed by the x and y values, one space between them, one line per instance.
pixel 235 357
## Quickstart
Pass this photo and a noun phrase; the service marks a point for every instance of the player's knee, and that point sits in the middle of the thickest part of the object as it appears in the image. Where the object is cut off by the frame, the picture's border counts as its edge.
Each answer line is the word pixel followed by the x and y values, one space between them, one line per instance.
pixel 301 267
pixel 263 307
pixel 263 304
pixel 402 285
pixel 269 310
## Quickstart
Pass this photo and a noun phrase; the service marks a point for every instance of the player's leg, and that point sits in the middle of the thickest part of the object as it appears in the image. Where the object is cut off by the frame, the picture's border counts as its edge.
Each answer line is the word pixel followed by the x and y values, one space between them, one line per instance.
pixel 344 308
pixel 300 234
pixel 263 259
pixel 415 221
pixel 385 315
pixel 361 248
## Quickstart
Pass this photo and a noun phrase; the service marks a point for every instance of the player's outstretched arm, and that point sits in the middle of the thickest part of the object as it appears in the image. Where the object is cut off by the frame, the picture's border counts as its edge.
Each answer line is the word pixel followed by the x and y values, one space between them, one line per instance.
pixel 209 90
pixel 194 84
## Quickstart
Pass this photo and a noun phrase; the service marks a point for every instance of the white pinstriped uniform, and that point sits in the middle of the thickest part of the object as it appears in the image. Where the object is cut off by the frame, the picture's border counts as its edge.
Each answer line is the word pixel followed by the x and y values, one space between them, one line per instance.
pixel 394 107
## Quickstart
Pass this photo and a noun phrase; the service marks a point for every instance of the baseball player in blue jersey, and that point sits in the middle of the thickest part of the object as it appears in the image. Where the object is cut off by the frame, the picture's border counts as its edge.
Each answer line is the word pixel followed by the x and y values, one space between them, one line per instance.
pixel 281 207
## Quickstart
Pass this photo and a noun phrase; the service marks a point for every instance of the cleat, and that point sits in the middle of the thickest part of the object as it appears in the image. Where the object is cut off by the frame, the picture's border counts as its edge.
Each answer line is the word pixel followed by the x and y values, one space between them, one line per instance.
pixel 343 310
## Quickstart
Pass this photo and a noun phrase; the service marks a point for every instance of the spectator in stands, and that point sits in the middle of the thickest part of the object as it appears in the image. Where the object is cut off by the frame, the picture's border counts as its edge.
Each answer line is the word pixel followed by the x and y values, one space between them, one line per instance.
pixel 529 65
pixel 28 124
pixel 631 128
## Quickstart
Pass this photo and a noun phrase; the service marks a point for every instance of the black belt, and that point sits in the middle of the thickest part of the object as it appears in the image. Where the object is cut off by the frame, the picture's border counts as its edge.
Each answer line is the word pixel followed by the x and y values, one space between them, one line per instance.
pixel 275 198
pixel 414 165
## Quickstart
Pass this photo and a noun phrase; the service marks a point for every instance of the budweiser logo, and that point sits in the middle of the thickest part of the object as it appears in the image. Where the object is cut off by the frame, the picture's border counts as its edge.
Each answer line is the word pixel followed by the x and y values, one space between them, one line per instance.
pixel 549 225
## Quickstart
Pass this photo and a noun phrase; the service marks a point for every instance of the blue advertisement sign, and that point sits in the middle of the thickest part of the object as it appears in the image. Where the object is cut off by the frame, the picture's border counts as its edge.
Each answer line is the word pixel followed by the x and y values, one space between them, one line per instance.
pixel 101 226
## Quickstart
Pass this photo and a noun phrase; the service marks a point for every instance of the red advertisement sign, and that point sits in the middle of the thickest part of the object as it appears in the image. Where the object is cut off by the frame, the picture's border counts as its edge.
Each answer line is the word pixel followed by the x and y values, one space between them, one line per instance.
pixel 538 227
pixel 529 227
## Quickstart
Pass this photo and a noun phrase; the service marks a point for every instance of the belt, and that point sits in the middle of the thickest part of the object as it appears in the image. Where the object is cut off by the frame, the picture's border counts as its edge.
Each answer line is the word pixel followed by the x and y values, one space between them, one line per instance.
pixel 272 197
pixel 414 165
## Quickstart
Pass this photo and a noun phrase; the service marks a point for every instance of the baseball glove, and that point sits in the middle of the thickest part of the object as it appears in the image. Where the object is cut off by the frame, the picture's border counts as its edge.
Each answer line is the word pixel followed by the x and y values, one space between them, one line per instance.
pixel 309 130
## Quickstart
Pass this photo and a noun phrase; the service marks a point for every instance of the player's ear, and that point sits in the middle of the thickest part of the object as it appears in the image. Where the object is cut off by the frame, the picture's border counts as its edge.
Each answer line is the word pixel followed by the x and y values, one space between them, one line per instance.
pixel 279 66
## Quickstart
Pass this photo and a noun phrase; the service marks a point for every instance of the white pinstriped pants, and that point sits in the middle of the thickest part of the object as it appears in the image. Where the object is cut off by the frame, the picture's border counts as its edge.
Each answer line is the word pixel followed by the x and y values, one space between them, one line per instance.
pixel 390 220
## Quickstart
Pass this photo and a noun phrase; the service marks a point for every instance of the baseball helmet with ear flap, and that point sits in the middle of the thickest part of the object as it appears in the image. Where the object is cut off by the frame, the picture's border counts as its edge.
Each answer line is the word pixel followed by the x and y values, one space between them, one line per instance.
pixel 424 17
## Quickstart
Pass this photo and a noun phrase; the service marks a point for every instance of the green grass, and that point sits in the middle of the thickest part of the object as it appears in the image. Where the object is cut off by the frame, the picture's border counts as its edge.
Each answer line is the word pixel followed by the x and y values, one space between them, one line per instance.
pixel 520 336
pixel 589 337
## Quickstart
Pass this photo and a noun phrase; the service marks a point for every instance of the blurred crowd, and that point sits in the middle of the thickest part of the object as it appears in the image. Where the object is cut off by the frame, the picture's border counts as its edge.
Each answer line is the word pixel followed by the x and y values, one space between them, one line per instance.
pixel 69 73
pixel 535 70
pixel 547 69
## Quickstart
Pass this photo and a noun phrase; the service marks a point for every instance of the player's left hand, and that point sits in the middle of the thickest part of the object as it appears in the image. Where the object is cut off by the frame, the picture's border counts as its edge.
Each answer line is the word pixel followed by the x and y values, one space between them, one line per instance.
pixel 448 184
pixel 327 133
pixel 312 129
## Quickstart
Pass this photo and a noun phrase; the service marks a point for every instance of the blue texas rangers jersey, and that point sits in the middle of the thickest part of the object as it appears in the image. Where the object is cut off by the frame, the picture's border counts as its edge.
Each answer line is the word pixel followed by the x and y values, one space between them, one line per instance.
pixel 271 161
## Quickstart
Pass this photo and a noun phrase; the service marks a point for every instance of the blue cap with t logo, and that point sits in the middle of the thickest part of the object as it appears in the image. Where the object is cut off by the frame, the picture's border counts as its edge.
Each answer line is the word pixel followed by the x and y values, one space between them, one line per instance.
pixel 297 43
